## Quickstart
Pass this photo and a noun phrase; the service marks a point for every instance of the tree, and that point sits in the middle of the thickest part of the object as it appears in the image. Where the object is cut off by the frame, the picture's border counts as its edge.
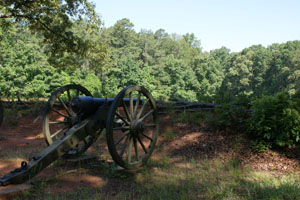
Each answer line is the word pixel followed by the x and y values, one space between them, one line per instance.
pixel 284 72
pixel 182 82
pixel 53 19
pixel 24 70
pixel 210 72
pixel 245 72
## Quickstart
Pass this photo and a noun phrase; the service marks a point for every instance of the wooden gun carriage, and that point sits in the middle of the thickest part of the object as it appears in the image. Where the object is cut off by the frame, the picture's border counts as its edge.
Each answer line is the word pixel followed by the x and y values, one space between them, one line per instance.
pixel 73 120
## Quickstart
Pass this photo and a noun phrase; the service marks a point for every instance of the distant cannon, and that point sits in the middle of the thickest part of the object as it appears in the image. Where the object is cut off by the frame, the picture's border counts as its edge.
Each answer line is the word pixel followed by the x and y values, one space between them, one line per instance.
pixel 73 120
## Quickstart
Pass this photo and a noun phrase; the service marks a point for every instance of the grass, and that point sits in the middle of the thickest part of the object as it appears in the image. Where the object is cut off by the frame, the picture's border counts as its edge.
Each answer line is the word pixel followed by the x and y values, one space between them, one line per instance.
pixel 19 152
pixel 169 135
pixel 15 112
pixel 182 179
pixel 205 120
pixel 212 179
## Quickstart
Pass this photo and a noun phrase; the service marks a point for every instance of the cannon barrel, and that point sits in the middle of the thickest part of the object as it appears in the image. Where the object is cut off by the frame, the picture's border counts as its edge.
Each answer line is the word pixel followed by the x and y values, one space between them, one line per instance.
pixel 88 105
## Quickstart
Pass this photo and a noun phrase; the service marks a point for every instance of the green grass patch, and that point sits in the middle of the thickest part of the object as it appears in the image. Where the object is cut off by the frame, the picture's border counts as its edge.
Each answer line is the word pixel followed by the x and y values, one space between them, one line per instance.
pixel 213 179
pixel 15 112
pixel 203 119
pixel 184 179
pixel 169 135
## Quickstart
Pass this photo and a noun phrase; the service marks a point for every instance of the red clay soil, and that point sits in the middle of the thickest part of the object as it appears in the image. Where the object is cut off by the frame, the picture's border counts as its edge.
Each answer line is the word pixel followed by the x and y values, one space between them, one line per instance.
pixel 26 135
pixel 26 132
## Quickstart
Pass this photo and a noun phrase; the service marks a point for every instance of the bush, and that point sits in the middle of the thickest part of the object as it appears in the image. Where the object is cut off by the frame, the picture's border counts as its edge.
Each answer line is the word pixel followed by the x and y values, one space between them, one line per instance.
pixel 232 114
pixel 275 121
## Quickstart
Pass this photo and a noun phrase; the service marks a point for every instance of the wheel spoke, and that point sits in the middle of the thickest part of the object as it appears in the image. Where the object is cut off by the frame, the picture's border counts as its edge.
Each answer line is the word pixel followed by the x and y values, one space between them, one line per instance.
pixel 122 137
pixel 84 141
pixel 121 128
pixel 136 149
pixel 124 146
pixel 146 115
pixel 57 104
pixel 69 101
pixel 64 105
pixel 69 97
pixel 129 150
pixel 137 105
pixel 131 105
pixel 58 122
pixel 122 118
pixel 142 144
pixel 142 109
pixel 146 136
pixel 57 132
pixel 58 112
pixel 126 111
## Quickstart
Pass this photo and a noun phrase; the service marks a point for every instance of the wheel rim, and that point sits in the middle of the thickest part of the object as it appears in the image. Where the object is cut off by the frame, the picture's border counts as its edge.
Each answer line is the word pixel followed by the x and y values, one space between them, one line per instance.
pixel 59 117
pixel 132 128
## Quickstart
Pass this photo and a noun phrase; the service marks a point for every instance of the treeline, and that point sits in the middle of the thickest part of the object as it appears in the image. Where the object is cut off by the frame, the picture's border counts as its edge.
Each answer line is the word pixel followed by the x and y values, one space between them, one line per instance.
pixel 168 65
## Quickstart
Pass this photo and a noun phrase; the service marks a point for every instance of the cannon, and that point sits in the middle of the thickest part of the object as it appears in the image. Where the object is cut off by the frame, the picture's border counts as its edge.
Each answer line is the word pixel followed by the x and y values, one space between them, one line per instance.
pixel 73 119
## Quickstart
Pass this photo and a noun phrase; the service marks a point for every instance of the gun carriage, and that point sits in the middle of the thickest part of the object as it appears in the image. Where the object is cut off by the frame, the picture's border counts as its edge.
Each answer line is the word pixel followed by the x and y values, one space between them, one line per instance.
pixel 73 120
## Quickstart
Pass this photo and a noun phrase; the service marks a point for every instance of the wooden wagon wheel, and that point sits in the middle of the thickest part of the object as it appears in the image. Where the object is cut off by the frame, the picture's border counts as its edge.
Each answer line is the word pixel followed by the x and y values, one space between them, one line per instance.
pixel 59 116
pixel 132 128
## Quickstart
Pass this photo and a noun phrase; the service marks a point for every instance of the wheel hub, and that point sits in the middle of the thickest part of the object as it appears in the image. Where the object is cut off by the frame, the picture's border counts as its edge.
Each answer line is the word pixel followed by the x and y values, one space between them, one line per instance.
pixel 137 127
pixel 73 120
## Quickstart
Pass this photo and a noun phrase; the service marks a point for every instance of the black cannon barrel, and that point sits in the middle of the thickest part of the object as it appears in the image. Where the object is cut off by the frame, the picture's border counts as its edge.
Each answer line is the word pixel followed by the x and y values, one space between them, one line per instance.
pixel 89 105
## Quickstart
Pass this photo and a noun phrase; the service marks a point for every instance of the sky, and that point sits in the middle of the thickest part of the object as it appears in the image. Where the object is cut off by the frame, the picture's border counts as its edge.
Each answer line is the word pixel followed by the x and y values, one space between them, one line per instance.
pixel 235 24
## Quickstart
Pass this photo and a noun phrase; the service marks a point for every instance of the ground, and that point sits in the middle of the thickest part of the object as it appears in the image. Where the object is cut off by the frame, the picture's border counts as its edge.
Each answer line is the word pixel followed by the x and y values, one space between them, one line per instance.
pixel 190 162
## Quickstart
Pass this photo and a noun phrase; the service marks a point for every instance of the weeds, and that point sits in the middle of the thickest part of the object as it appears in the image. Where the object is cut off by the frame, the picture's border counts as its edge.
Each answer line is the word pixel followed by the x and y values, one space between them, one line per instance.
pixel 13 113
pixel 169 135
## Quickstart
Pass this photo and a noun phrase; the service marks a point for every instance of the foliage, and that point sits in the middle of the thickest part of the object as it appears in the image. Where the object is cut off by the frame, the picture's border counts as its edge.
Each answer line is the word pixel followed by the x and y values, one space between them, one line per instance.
pixel 233 114
pixel 275 121
pixel 168 65
pixel 24 70
pixel 53 19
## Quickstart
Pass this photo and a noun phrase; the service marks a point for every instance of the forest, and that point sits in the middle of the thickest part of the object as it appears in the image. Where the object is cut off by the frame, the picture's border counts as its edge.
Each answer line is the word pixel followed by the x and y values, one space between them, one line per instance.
pixel 168 65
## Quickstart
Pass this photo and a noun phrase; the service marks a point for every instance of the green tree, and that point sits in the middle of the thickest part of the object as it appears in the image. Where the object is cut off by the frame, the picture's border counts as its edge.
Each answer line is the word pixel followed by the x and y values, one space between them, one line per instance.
pixel 24 70
pixel 284 71
pixel 245 72
pixel 210 73
pixel 53 19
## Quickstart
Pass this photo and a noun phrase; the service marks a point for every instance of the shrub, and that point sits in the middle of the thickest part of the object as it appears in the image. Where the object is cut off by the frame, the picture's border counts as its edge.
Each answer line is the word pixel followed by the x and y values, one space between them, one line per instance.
pixel 275 121
pixel 232 114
